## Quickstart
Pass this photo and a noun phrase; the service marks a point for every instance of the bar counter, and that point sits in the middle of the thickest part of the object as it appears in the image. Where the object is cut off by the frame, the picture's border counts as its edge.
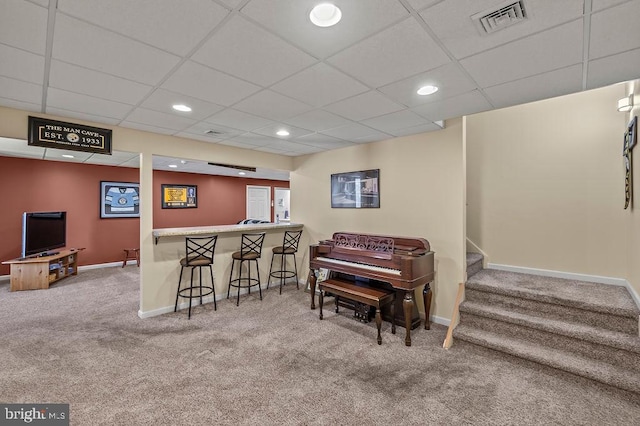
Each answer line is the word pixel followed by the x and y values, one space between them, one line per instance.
pixel 169 248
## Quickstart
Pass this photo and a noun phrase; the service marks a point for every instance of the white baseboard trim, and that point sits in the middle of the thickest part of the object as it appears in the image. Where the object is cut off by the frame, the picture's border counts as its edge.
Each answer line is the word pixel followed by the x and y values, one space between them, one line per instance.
pixel 84 268
pixel 570 276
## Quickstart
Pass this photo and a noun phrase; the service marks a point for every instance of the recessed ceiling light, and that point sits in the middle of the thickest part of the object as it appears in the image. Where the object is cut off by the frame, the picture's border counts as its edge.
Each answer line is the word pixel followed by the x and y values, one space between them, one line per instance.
pixel 427 90
pixel 282 133
pixel 67 156
pixel 241 173
pixel 183 162
pixel 181 107
pixel 173 166
pixel 325 15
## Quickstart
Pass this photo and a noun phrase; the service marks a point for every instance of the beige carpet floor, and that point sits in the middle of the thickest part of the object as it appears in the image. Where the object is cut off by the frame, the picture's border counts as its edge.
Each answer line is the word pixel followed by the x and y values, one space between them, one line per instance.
pixel 265 363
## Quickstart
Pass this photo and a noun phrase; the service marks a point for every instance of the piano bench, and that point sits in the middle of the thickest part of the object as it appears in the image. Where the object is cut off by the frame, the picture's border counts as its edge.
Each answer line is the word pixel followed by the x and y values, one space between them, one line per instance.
pixel 369 296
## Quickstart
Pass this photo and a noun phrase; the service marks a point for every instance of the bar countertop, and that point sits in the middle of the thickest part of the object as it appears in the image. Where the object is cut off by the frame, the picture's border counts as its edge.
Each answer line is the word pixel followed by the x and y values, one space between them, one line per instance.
pixel 221 229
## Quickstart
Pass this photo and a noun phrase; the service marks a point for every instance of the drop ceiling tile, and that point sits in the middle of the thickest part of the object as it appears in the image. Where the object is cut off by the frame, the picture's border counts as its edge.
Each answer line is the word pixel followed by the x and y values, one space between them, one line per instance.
pixel 199 137
pixel 396 53
pixel 613 69
pixel 147 128
pixel 452 24
pixel 290 19
pixel 82 116
pixel 231 4
pixel 25 106
pixel 20 91
pixel 320 85
pixel 237 144
pixel 134 162
pixel 95 83
pixel 163 100
pixel 253 139
pixel 527 57
pixel 366 105
pixel 615 30
pixel 391 123
pixel 116 158
pixel 323 141
pixel 165 24
pixel 270 130
pixel 238 120
pixel 354 131
pixel 57 155
pixel 317 120
pixel 424 128
pixel 541 86
pixel 21 65
pixel 43 3
pixel 80 43
pixel 421 4
pixel 19 147
pixel 160 119
pixel 70 101
pixel 272 105
pixel 449 79
pixel 603 4
pixel 465 104
pixel 24 25
pixel 265 58
pixel 203 127
pixel 210 85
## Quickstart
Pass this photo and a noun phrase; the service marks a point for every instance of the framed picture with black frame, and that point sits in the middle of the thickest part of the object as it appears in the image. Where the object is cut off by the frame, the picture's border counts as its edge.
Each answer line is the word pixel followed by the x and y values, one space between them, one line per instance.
pixel 119 199
pixel 631 136
pixel 356 190
pixel 179 196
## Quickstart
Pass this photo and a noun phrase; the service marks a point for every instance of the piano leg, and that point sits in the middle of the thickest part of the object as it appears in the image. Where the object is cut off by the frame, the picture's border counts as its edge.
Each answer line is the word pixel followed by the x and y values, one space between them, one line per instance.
pixel 379 324
pixel 426 295
pixel 312 287
pixel 407 304
pixel 321 300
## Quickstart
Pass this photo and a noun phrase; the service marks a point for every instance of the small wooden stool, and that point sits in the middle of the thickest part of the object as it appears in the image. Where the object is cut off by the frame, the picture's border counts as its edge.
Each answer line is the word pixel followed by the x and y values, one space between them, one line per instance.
pixel 131 253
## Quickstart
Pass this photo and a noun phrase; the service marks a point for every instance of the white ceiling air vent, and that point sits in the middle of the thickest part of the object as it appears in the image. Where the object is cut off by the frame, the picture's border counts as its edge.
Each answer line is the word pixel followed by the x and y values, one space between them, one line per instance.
pixel 503 16
pixel 213 133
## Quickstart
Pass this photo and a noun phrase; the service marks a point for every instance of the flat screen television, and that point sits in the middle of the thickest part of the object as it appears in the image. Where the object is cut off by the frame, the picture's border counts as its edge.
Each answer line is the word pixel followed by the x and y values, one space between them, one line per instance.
pixel 43 231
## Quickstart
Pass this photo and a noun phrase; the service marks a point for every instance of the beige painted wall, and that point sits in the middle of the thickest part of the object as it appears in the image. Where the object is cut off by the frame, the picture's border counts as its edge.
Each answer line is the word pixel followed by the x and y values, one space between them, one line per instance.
pixel 633 217
pixel 545 185
pixel 421 194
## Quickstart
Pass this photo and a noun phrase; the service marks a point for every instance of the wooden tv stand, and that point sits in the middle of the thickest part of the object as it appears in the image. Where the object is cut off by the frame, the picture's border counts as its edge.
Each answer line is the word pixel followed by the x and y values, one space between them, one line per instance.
pixel 38 272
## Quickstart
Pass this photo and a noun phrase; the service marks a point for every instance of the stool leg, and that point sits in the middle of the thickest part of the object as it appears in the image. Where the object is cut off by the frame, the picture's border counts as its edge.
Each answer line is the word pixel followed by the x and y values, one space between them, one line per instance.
pixel 270 270
pixel 295 268
pixel 200 277
pixel 233 262
pixel 191 293
pixel 393 317
pixel 282 268
pixel 213 286
pixel 379 324
pixel 258 272
pixel 239 282
pixel 175 309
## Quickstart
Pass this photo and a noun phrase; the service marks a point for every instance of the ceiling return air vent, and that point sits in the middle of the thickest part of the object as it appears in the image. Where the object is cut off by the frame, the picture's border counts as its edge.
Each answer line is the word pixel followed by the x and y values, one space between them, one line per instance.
pixel 504 15
pixel 213 133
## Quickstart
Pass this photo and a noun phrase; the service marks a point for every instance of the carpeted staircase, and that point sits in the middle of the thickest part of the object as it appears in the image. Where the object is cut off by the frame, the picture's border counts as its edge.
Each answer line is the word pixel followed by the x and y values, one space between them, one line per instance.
pixel 582 328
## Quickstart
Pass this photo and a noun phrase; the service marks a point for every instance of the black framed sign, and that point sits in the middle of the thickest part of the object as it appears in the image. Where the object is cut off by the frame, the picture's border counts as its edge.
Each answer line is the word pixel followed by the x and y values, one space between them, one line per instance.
pixel 179 196
pixel 74 137
pixel 356 190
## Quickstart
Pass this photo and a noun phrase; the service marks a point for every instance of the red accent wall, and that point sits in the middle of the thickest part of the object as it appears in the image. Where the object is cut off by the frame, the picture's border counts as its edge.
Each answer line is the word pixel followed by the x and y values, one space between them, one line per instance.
pixel 37 185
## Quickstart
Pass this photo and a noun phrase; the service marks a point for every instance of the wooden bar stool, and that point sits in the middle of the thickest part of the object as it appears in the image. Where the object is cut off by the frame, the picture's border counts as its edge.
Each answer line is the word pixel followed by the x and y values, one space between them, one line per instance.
pixel 131 254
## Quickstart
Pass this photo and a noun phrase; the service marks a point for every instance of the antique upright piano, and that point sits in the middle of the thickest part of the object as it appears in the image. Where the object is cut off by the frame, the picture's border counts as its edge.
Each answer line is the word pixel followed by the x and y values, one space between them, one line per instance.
pixel 401 264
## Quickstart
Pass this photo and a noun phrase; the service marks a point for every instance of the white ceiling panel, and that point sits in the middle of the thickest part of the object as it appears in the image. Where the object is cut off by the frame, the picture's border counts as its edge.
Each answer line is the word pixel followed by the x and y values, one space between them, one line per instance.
pixel 70 101
pixel 17 147
pixel 409 50
pixel 320 85
pixel 162 100
pixel 255 65
pixel 266 59
pixel 290 19
pixel 294 132
pixel 21 65
pixel 166 24
pixel 20 90
pixel 626 66
pixel 449 79
pixel 470 103
pixel 57 155
pixel 204 83
pixel 238 120
pixel 116 158
pixel 451 22
pixel 615 30
pixel 272 105
pixel 529 56
pixel 548 85
pixel 317 120
pixel 13 32
pixel 95 83
pixel 160 119
pixel 80 43
pixel 366 105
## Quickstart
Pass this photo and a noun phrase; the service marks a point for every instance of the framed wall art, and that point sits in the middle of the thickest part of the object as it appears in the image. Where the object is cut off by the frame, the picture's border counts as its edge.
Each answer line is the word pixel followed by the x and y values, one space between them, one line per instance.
pixel 356 190
pixel 119 199
pixel 179 196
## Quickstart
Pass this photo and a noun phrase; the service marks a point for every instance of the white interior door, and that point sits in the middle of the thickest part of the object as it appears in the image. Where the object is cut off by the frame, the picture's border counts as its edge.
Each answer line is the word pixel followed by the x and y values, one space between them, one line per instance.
pixel 281 205
pixel 259 202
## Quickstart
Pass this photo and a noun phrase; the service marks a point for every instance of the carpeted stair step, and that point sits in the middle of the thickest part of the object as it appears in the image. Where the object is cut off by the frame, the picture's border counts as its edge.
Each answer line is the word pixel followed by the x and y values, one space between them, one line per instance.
pixel 593 304
pixel 602 372
pixel 609 346
pixel 474 263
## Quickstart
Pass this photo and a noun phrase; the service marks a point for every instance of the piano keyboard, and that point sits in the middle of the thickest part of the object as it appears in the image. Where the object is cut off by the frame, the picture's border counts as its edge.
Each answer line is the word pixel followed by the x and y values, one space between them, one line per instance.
pixel 361 266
